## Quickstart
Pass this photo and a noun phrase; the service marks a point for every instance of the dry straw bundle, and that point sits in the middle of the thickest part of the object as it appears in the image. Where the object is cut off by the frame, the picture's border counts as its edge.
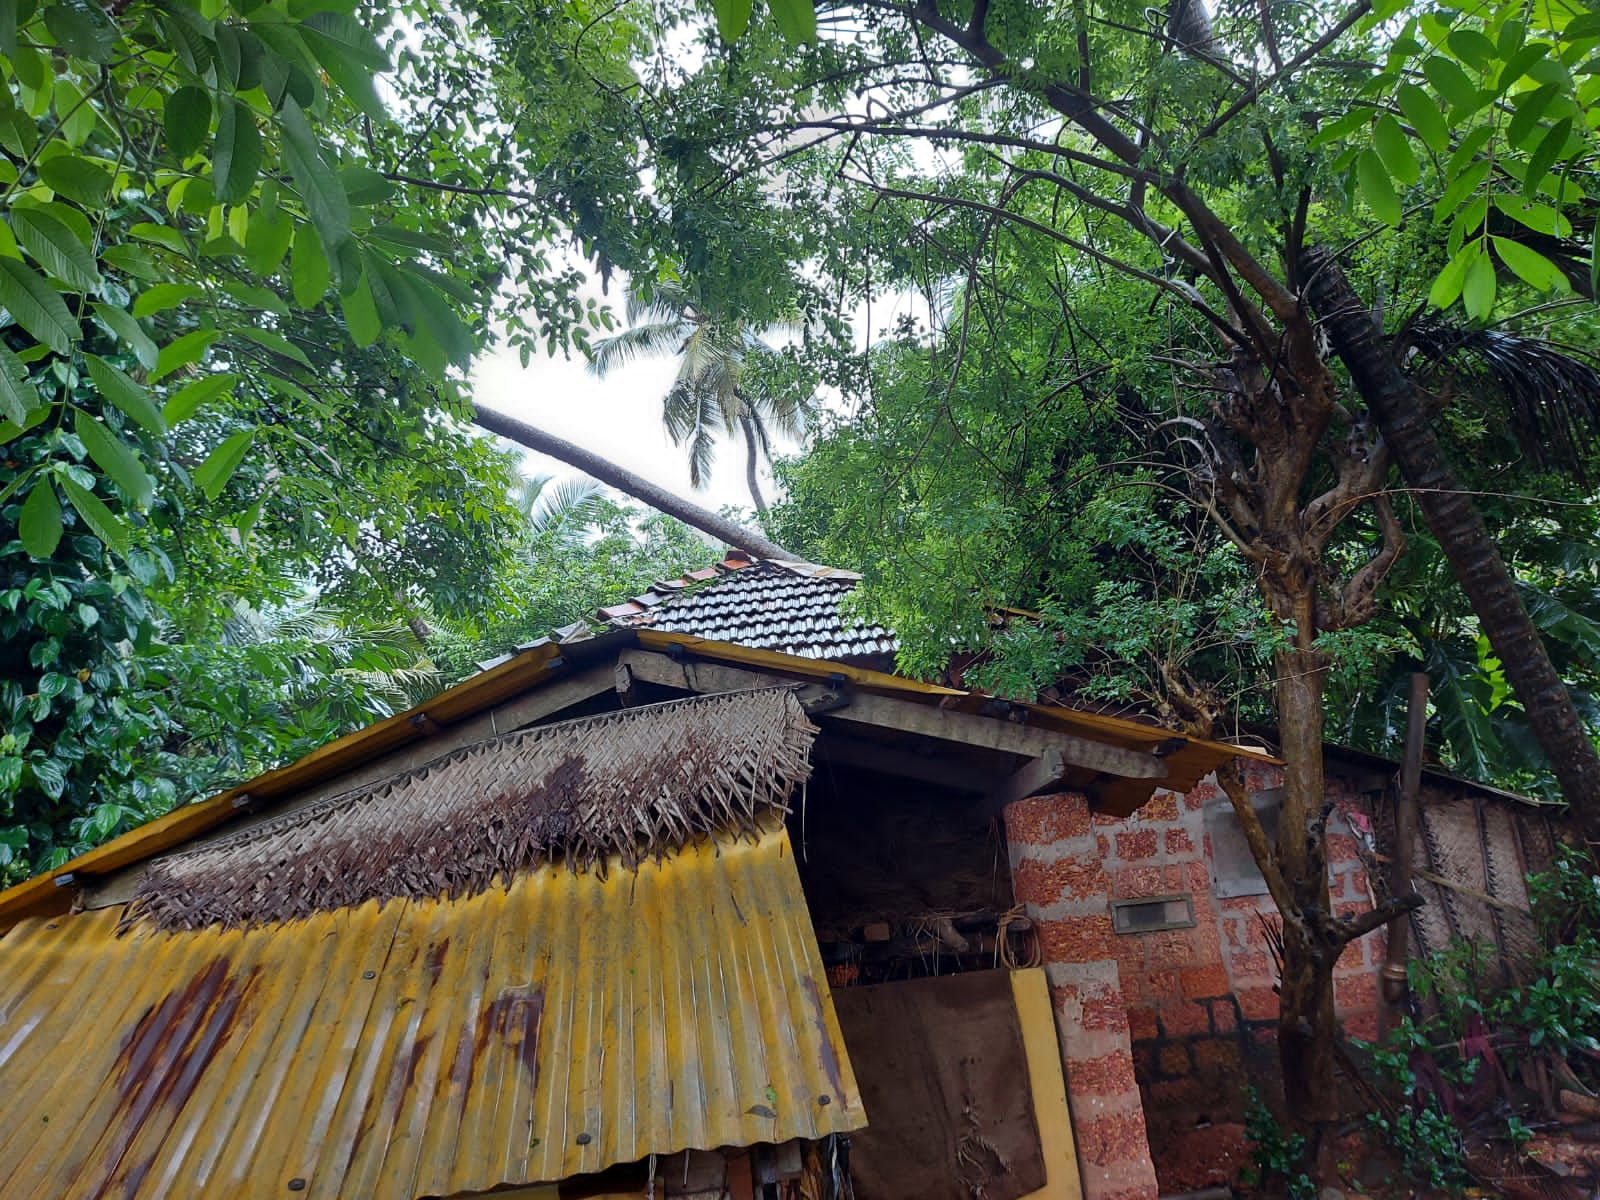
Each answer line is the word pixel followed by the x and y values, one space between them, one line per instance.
pixel 637 783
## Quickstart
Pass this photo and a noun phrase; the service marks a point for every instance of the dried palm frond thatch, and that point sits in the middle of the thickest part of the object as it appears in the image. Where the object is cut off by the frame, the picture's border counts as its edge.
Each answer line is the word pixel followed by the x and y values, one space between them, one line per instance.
pixel 635 784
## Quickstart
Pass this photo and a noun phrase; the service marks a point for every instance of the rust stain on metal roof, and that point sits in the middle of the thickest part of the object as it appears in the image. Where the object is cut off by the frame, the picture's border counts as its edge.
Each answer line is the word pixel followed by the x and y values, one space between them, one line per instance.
pixel 554 1026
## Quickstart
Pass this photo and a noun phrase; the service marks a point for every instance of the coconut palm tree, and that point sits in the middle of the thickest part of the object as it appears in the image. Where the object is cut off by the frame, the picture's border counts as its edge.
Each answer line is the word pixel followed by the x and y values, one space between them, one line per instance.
pixel 713 394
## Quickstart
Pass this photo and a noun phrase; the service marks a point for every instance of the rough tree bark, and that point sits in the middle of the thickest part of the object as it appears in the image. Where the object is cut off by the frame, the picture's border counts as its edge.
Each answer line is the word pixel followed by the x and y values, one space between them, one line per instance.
pixel 1461 533
pixel 626 481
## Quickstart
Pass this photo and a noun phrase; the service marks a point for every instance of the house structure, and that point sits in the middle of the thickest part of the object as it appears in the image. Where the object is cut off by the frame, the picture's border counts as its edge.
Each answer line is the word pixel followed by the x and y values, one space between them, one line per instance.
pixel 707 902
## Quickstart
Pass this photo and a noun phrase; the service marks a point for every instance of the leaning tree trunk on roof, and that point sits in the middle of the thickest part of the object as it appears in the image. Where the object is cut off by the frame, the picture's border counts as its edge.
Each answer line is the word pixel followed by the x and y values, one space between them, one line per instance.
pixel 1461 533
pixel 626 481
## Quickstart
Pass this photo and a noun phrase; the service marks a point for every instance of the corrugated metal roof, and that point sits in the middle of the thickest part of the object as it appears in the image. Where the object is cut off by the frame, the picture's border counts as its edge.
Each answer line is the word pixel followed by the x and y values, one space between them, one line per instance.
pixel 546 1029
pixel 791 608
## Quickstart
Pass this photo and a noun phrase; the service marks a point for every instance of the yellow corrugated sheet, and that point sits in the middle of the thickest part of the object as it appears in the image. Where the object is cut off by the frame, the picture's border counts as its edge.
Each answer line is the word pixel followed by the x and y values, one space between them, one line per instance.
pixel 527 1034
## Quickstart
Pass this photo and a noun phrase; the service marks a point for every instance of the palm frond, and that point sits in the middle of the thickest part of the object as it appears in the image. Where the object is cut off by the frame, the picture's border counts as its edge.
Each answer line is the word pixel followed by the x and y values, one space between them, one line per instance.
pixel 655 339
pixel 1551 392
pixel 566 507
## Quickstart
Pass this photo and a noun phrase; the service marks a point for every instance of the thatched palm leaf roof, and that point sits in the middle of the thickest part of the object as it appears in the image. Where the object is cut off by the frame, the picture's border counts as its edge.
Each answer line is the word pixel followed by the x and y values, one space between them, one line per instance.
pixel 632 784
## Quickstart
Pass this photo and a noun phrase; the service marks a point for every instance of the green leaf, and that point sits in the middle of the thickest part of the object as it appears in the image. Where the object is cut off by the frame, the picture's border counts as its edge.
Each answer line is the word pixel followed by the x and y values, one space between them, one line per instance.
pixel 36 306
pixel 122 323
pixel 212 475
pixel 82 30
pixel 400 236
pixel 268 241
pixel 1541 218
pixel 1376 188
pixel 361 314
pixel 18 396
pixel 1477 292
pixel 55 248
pixel 1528 110
pixel 184 351
pixel 1446 288
pixel 161 235
pixel 187 119
pixel 1423 113
pixel 1594 260
pixel 1543 158
pixel 308 268
pixel 1394 148
pixel 236 155
pixel 1517 65
pixel 1452 83
pixel 39 523
pixel 347 52
pixel 113 457
pixel 77 179
pixel 131 260
pixel 1341 127
pixel 1460 188
pixel 102 522
pixel 365 186
pixel 8 30
pixel 271 340
pixel 1530 266
pixel 733 17
pixel 797 20
pixel 317 182
pixel 1472 47
pixel 163 296
pixel 127 395
pixel 433 313
pixel 192 397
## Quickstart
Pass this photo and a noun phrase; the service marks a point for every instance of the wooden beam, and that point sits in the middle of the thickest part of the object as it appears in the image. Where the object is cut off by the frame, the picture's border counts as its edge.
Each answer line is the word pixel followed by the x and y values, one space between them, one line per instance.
pixel 856 754
pixel 886 712
pixel 1049 769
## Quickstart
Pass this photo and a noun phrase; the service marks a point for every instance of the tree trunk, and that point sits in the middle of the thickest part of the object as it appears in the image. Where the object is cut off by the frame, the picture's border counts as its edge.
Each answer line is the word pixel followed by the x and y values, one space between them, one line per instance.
pixel 626 481
pixel 1461 533
pixel 752 461
pixel 1307 1030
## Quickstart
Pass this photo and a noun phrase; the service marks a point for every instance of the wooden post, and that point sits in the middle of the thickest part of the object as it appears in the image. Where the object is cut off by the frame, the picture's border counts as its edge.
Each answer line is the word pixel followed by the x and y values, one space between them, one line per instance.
pixel 1406 817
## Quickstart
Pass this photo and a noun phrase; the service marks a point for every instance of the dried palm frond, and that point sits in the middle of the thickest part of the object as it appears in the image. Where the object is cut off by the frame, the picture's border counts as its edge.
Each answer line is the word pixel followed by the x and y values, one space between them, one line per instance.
pixel 1551 392
pixel 630 785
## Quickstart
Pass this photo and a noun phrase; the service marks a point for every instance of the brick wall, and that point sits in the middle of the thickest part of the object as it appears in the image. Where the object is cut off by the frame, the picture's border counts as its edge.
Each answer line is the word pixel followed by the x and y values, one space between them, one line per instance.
pixel 1198 1010
pixel 1057 875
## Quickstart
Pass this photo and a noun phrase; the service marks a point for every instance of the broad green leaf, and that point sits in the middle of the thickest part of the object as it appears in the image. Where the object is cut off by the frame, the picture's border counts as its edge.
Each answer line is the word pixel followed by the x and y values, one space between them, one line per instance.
pixel 8 27
pixel 435 314
pixel 77 179
pixel 122 323
pixel 1341 127
pixel 1452 83
pixel 396 235
pixel 1477 291
pixel 797 19
pixel 36 306
pixel 1446 288
pixel 1541 218
pixel 161 235
pixel 269 339
pixel 39 522
pixel 1460 188
pixel 111 454
pixel 1423 113
pixel 1472 47
pixel 184 351
pixel 346 51
pixel 1376 188
pixel 130 397
pixel 192 397
pixel 317 182
pixel 187 118
pixel 249 295
pixel 132 260
pixel 212 475
pixel 1594 260
pixel 236 154
pixel 1530 266
pixel 1517 65
pixel 8 241
pixel 1528 111
pixel 1394 148
pixel 1543 158
pixel 81 29
pixel 267 241
pixel 18 396
pixel 55 248
pixel 163 296
pixel 361 314
pixel 365 186
pixel 102 522
pixel 733 17
pixel 308 268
